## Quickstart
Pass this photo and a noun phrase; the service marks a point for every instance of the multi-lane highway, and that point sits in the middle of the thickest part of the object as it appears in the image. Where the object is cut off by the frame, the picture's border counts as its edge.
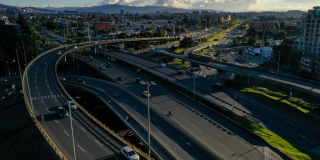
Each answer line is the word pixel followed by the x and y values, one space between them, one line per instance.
pixel 213 130
pixel 175 141
pixel 44 94
pixel 225 97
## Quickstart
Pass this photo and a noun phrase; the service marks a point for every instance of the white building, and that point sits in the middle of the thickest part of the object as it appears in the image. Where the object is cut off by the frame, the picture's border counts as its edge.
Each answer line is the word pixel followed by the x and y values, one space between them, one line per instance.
pixel 267 52
pixel 253 50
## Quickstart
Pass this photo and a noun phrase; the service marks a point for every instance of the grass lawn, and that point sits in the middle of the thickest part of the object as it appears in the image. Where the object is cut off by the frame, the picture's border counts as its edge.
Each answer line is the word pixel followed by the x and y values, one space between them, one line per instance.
pixel 285 106
pixel 204 51
pixel 14 124
pixel 173 42
pixel 179 62
pixel 292 150
pixel 179 50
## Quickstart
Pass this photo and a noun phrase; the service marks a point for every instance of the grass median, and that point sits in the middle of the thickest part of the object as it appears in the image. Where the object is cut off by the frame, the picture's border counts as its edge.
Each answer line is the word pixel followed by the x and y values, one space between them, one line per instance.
pixel 290 149
pixel 178 61
pixel 301 109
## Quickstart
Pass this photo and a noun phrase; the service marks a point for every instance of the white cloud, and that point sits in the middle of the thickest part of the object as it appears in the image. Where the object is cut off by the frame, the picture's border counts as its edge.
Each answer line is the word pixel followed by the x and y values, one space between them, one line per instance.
pixel 21 4
pixel 127 2
pixel 202 5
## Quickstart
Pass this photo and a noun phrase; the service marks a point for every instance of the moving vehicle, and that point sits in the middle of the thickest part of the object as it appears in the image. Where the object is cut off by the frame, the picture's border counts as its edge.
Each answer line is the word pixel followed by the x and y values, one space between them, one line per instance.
pixel 181 72
pixel 75 46
pixel 79 44
pixel 217 85
pixel 81 81
pixel 195 76
pixel 65 48
pixel 102 67
pixel 91 58
pixel 45 62
pixel 71 104
pixel 59 52
pixel 145 93
pixel 162 64
pixel 139 80
pixel 62 112
pixel 62 78
pixel 129 153
pixel 109 65
pixel 200 57
pixel 120 78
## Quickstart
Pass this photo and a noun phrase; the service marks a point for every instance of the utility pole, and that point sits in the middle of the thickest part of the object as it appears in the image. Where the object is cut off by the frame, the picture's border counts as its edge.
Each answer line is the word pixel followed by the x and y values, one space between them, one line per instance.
pixel 262 47
pixel 18 62
pixel 149 146
pixel 25 59
pixel 278 64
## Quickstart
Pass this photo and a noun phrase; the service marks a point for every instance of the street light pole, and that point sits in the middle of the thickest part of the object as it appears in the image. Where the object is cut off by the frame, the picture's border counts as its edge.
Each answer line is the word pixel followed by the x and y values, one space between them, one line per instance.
pixel 194 83
pixel 149 147
pixel 24 52
pixel 74 150
pixel 8 68
pixel 18 62
pixel 278 63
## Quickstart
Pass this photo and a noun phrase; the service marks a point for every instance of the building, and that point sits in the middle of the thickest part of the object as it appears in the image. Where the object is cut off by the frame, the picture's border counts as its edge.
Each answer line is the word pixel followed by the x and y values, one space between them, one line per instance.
pixel 309 34
pixel 7 30
pixel 196 12
pixel 121 12
pixel 227 18
pixel 253 50
pixel 267 52
pixel 204 12
pixel 102 28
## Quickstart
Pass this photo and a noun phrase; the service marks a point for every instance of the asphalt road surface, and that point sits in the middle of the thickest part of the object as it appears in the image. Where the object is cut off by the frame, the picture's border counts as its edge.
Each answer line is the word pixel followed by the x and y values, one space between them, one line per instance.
pixel 45 95
pixel 222 136
pixel 226 96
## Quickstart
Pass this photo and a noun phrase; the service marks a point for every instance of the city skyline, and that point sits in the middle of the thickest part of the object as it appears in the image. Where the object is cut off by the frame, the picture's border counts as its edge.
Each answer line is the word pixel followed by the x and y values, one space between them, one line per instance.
pixel 223 5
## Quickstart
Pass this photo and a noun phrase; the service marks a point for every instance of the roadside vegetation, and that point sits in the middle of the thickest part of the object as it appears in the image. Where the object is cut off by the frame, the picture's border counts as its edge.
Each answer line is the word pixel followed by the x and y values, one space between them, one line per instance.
pixel 178 61
pixel 290 149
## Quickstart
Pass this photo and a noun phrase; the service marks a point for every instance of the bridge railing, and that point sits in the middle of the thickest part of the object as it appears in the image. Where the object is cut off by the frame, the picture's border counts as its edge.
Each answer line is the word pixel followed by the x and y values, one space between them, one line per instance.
pixel 92 117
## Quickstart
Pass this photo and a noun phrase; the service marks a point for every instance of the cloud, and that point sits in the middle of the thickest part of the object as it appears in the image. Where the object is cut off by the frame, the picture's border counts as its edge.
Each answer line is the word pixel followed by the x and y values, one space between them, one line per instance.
pixel 21 4
pixel 202 5
pixel 128 2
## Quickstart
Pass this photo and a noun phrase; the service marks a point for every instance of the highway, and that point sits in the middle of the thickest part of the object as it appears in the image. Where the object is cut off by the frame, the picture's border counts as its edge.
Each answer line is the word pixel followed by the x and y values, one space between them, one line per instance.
pixel 225 98
pixel 45 95
pixel 219 134
pixel 162 128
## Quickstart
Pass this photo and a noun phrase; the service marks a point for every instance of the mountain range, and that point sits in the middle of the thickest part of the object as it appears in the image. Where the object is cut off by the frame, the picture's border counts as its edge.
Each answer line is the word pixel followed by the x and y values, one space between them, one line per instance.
pixel 112 8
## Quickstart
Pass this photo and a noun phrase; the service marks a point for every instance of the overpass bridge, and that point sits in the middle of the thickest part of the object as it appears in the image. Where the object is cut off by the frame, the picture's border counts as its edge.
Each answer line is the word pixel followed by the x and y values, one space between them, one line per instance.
pixel 43 93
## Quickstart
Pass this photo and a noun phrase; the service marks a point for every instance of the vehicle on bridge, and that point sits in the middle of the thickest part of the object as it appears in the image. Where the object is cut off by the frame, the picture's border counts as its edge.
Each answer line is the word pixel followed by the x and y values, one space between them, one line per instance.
pixel 81 81
pixel 71 104
pixel 181 72
pixel 145 93
pixel 129 153
pixel 109 65
pixel 59 52
pixel 91 58
pixel 62 112
pixel 200 57
pixel 102 67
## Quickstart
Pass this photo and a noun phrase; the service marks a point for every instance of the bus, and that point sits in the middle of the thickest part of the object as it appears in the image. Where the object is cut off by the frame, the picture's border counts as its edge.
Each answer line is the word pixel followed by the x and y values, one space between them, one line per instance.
pixel 200 57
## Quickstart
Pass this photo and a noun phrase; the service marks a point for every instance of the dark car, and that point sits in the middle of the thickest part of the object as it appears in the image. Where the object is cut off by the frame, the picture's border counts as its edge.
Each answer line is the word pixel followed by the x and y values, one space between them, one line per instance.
pixel 79 44
pixel 181 72
pixel 120 78
pixel 81 81
pixel 91 58
pixel 65 48
pixel 217 85
pixel 138 80
pixel 62 112
pixel 109 65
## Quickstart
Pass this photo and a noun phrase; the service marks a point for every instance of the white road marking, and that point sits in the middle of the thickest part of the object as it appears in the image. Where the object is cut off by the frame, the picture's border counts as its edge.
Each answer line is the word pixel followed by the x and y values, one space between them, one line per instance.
pixel 36 87
pixel 289 122
pixel 66 133
pixel 159 127
pixel 35 81
pixel 55 120
pixel 98 143
pixel 193 157
pixel 302 136
pixel 125 100
pixel 175 141
pixel 81 148
pixel 46 80
pixel 135 107
pixel 42 101
pixel 47 86
pixel 50 92
pixel 115 157
pixel 83 129
pixel 35 76
pixel 56 100
pixel 48 110
pixel 38 94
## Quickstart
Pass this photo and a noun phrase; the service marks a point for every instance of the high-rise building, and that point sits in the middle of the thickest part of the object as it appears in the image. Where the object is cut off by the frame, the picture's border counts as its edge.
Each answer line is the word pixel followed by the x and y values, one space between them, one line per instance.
pixel 196 12
pixel 309 40
pixel 121 12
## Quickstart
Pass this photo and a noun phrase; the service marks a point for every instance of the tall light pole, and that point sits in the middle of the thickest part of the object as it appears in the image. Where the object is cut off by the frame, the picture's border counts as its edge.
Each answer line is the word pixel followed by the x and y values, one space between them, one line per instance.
pixel 194 83
pixel 8 68
pixel 18 62
pixel 149 146
pixel 24 52
pixel 278 62
pixel 74 149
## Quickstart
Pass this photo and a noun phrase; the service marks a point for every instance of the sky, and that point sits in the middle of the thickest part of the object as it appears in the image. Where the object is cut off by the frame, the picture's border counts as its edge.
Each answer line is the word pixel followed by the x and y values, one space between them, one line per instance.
pixel 224 5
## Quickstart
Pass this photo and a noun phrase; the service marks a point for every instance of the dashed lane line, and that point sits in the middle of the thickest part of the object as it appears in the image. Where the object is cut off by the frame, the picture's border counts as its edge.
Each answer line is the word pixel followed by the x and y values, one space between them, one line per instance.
pixel 66 133
pixel 55 120
pixel 98 143
pixel 48 110
pixel 83 129
pixel 81 148
pixel 159 127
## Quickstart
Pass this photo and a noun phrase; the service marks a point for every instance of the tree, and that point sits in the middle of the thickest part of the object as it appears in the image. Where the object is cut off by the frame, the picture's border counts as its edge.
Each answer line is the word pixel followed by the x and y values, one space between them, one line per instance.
pixel 252 41
pixel 94 16
pixel 284 51
pixel 282 25
pixel 241 52
pixel 122 35
pixel 70 41
pixel 112 19
pixel 294 56
pixel 277 25
pixel 252 32
pixel 187 42
pixel 183 30
pixel 81 34
pixel 218 53
pixel 236 42
pixel 45 40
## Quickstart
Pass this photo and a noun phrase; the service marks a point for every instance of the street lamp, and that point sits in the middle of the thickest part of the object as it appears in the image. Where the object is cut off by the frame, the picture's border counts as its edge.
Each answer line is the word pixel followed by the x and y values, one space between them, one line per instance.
pixel 194 83
pixel 149 146
pixel 74 149
pixel 278 61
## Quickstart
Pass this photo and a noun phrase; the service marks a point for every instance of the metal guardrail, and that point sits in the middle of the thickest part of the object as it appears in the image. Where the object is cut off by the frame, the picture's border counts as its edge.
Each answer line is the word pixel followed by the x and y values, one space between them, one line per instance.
pixel 91 116
pixel 206 148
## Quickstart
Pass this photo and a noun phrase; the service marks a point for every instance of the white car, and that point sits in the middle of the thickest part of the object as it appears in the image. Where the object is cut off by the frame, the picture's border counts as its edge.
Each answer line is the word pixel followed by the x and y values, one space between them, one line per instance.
pixel 71 104
pixel 102 67
pixel 129 153
pixel 75 46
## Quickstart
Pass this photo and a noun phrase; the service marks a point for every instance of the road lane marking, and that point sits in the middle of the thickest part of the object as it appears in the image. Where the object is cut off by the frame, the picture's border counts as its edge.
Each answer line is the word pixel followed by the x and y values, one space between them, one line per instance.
pixel 109 89
pixel 302 136
pixel 36 87
pixel 42 101
pixel 98 143
pixel 35 81
pixel 47 86
pixel 56 100
pixel 83 129
pixel 38 94
pixel 50 92
pixel 135 107
pixel 175 141
pixel 66 132
pixel 81 148
pixel 289 122
pixel 159 127
pixel 46 80
pixel 115 157
pixel 35 76
pixel 48 110
pixel 125 100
